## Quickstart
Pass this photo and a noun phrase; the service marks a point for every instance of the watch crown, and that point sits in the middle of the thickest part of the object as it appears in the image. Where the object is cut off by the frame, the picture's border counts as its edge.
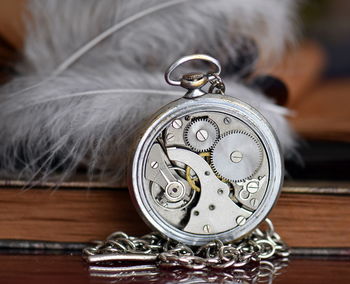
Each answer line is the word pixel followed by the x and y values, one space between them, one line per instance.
pixel 193 81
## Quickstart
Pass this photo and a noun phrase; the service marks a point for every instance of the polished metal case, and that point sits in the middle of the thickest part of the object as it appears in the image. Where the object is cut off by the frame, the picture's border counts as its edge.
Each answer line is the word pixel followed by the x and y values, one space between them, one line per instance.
pixel 189 106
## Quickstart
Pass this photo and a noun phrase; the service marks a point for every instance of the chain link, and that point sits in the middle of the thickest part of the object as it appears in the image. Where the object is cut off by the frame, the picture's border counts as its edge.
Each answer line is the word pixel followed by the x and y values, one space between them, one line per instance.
pixel 256 247
pixel 217 85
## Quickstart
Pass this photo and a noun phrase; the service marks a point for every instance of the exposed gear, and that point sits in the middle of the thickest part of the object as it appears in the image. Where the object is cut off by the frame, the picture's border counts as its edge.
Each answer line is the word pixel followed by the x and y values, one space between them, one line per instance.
pixel 177 195
pixel 237 155
pixel 201 134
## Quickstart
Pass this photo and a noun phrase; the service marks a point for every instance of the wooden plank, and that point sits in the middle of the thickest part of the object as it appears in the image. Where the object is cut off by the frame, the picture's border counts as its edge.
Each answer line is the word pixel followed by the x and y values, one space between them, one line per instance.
pixel 309 220
pixel 62 215
pixel 304 220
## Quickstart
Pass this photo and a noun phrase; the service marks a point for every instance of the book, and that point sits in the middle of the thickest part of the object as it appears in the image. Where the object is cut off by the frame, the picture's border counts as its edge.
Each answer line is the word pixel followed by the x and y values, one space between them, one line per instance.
pixel 307 215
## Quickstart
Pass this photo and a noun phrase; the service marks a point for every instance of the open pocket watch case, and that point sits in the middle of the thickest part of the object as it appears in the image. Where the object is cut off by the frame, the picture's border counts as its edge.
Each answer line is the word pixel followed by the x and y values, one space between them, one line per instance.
pixel 206 166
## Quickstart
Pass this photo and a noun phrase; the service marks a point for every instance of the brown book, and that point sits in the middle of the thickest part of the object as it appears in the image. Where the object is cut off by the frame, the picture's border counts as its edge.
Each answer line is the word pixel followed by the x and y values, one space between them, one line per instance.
pixel 306 215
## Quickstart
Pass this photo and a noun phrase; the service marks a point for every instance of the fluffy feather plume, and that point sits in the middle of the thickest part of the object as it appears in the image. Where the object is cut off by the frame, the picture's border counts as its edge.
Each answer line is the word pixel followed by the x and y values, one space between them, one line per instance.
pixel 92 72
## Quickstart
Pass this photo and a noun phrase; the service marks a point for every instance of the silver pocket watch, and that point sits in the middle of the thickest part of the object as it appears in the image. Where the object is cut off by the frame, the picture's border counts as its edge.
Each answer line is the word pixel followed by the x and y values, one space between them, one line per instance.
pixel 206 166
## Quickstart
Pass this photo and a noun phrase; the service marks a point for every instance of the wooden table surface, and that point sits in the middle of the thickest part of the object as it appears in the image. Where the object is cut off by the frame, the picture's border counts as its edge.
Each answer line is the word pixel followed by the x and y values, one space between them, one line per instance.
pixel 72 269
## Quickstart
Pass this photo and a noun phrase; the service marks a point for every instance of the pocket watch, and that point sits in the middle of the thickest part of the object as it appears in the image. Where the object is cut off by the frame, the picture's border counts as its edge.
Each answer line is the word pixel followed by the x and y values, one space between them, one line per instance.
pixel 206 166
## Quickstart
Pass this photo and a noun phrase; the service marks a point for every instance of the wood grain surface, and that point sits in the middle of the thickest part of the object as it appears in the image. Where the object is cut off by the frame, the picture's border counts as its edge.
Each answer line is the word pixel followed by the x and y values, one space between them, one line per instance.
pixel 304 220
pixel 71 269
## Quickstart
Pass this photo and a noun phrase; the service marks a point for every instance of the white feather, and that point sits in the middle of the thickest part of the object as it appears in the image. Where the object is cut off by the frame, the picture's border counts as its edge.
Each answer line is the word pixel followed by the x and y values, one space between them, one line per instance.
pixel 67 107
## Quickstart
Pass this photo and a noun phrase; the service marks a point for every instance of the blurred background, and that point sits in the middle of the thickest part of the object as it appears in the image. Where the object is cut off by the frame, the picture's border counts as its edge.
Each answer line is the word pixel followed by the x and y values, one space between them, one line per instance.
pixel 322 109
pixel 317 73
